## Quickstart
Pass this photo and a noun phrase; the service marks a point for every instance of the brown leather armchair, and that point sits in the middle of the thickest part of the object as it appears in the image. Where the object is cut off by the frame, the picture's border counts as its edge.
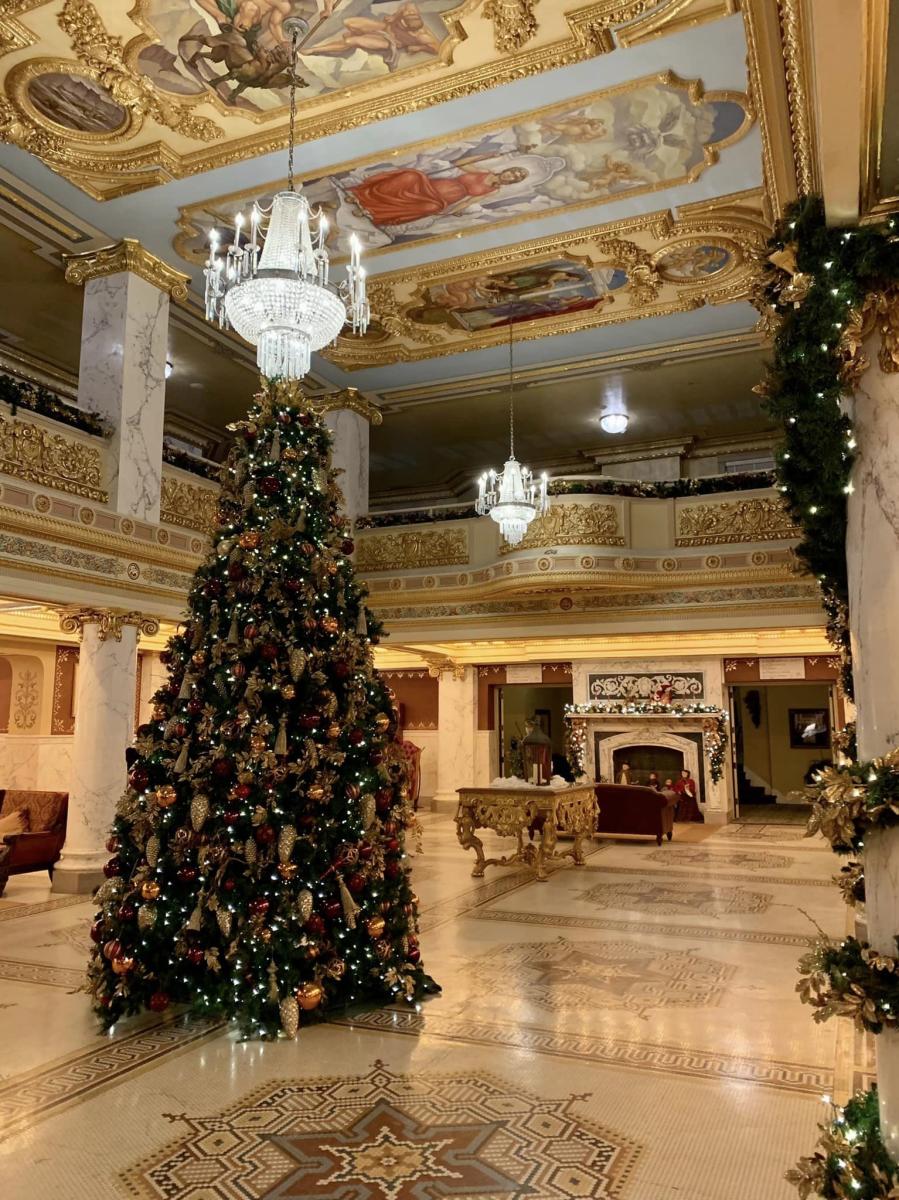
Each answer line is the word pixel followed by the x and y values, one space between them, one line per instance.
pixel 40 847
pixel 631 808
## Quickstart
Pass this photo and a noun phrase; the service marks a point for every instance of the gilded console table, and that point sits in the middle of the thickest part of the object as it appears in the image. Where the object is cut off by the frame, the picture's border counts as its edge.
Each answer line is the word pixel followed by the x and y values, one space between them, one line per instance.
pixel 534 815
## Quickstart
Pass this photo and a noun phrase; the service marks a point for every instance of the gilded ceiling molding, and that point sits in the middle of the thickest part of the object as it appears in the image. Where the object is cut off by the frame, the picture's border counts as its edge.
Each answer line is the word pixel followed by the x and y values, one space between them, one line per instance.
pixel 13 34
pixel 756 520
pixel 593 25
pixel 514 22
pixel 348 398
pixel 109 621
pixel 795 49
pixel 572 525
pixel 656 259
pixel 31 452
pixel 412 548
pixel 126 255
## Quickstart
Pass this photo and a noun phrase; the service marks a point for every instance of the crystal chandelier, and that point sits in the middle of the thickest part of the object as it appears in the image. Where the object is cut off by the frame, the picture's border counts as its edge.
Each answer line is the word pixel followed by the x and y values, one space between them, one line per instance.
pixel 275 292
pixel 513 498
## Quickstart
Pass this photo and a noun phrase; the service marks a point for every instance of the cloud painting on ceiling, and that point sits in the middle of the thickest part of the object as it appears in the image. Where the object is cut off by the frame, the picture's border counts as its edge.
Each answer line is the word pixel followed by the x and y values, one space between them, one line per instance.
pixel 239 51
pixel 644 136
pixel 684 263
pixel 524 293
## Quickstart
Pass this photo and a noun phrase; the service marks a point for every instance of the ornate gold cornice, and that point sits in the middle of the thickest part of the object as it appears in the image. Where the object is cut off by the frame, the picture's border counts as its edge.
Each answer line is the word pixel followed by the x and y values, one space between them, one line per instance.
pixel 126 255
pixel 514 22
pixel 109 621
pixel 187 504
pixel 350 398
pixel 410 548
pixel 68 464
pixel 759 519
pixel 567 524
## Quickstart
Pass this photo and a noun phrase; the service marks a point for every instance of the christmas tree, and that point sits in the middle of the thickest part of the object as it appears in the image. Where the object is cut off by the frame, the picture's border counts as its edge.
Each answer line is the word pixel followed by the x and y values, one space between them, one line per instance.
pixel 258 868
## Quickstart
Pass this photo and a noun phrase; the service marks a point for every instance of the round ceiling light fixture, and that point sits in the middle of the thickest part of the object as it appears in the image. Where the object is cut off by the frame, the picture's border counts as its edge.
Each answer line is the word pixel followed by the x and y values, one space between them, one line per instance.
pixel 614 422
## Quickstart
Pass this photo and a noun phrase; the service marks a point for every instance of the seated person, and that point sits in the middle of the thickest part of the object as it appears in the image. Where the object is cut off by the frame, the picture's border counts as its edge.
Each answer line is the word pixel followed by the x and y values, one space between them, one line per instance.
pixel 653 781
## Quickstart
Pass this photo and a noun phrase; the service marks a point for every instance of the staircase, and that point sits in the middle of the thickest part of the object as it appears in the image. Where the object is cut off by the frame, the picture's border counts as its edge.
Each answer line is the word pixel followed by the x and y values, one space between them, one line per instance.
pixel 751 793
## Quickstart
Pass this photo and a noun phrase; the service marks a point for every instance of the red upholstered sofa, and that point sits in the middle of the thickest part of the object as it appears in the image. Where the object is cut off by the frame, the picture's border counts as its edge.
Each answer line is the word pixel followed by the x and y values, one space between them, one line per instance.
pixel 40 847
pixel 630 808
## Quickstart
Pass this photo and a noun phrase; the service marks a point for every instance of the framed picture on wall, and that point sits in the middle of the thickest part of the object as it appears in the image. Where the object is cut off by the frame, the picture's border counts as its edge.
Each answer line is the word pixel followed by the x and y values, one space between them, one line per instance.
pixel 809 728
pixel 543 719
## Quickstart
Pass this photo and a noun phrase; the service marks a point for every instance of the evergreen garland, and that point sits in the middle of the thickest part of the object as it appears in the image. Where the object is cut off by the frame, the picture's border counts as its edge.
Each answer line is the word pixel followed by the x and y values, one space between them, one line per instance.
pixel 852 1159
pixel 818 281
pixel 18 394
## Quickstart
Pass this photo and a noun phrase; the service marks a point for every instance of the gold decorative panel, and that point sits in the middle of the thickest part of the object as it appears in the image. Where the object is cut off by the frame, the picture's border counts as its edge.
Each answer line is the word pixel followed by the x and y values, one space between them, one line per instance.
pixel 68 464
pixel 572 525
pixel 412 548
pixel 755 520
pixel 120 97
pixel 189 505
pixel 646 266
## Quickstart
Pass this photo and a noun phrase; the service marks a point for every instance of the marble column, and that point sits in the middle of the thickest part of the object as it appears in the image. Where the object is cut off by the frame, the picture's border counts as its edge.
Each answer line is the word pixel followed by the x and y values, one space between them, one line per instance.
pixel 872 551
pixel 104 725
pixel 349 416
pixel 456 732
pixel 121 377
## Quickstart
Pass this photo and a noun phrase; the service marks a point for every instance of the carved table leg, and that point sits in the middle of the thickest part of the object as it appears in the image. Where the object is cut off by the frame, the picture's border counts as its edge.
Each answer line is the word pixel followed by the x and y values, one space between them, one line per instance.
pixel 546 849
pixel 465 828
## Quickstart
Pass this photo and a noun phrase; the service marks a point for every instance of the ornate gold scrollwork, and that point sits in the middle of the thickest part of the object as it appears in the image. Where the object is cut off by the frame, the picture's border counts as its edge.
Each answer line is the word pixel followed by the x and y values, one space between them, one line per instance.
pixel 30 452
pixel 188 505
pixel 350 398
pixel 412 548
pixel 514 22
pixel 760 519
pixel 572 525
pixel 126 255
pixel 109 621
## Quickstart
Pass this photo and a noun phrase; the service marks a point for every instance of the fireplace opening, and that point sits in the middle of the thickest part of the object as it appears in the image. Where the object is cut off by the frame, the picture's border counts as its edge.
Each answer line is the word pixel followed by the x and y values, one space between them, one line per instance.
pixel 666 761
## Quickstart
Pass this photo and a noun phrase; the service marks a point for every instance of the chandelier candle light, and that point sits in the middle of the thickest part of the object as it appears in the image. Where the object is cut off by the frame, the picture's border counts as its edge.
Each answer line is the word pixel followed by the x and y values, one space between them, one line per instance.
pixel 513 497
pixel 275 292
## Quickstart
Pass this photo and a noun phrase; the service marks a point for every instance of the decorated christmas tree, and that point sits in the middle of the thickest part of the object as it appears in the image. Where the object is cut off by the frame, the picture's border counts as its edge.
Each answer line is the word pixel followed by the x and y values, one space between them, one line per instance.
pixel 258 864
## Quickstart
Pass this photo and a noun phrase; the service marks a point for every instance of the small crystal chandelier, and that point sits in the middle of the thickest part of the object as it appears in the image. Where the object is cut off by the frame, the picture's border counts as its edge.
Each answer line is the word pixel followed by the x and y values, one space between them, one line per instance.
pixel 276 292
pixel 513 498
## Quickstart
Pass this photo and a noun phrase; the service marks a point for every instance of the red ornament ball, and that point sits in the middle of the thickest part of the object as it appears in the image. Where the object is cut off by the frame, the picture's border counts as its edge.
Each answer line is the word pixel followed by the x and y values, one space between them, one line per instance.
pixel 376 757
pixel 294 585
pixel 231 817
pixel 356 883
pixel 214 587
pixel 242 791
pixel 126 912
pixel 413 954
pixel 357 736
pixel 258 906
pixel 309 721
pixel 179 729
pixel 333 909
pixel 113 868
pixel 269 485
pixel 392 845
pixel 235 571
pixel 365 851
pixel 265 835
pixel 158 1002
pixel 222 768
pixel 138 779
pixel 187 874
pixel 112 843
pixel 195 956
pixel 315 925
pixel 238 670
pixel 347 546
pixel 269 651
pixel 392 870
pixel 97 932
pixel 112 949
pixel 341 669
pixel 229 884
pixel 195 706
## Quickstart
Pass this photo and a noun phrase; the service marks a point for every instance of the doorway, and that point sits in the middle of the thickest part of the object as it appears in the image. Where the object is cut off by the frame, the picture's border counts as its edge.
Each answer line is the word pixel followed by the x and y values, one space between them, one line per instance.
pixel 517 702
pixel 783 734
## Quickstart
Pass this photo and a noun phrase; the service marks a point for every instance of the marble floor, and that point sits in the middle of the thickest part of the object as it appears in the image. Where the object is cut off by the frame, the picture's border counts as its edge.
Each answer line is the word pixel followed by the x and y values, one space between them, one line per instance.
pixel 628 1029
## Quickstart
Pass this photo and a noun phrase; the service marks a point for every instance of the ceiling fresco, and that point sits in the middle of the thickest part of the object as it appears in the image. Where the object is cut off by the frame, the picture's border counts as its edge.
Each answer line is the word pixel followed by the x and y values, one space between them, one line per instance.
pixel 183 86
pixel 599 178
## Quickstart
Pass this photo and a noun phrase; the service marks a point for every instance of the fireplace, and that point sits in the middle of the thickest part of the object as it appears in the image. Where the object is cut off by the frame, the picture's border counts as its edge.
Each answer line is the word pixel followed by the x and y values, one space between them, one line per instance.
pixel 648 748
pixel 666 761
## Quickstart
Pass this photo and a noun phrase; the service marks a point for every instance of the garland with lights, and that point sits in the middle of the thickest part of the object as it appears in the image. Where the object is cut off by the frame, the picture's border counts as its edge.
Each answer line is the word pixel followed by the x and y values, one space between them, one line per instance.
pixel 258 867
pixel 714 731
pixel 821 283
pixel 36 399
pixel 191 462
pixel 852 1160
pixel 849 800
pixel 850 979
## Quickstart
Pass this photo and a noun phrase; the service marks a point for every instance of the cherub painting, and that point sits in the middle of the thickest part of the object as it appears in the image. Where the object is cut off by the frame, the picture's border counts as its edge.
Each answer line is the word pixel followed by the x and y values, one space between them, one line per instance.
pixel 239 49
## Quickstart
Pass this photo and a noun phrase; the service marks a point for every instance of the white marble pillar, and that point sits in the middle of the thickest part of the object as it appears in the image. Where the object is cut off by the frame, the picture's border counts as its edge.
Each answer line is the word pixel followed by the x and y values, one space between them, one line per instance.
pixel 121 377
pixel 104 726
pixel 349 417
pixel 872 551
pixel 456 732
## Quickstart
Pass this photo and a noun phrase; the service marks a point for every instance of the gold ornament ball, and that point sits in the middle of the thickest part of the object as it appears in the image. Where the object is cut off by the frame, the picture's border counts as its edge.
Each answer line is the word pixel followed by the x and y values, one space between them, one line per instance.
pixel 375 926
pixel 289 454
pixel 315 792
pixel 265 933
pixel 382 722
pixel 330 624
pixel 287 870
pixel 122 965
pixel 333 731
pixel 336 968
pixel 165 795
pixel 288 691
pixel 198 658
pixel 149 890
pixel 159 712
pixel 309 996
pixel 250 540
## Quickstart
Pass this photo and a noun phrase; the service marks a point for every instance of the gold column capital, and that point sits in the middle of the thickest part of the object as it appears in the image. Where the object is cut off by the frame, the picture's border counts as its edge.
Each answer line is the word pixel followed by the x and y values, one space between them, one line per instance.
pixel 350 398
pixel 126 255
pixel 109 621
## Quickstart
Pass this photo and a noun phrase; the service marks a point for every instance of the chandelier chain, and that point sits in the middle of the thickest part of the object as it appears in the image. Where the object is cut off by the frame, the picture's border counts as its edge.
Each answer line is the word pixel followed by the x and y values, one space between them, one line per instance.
pixel 294 42
pixel 511 397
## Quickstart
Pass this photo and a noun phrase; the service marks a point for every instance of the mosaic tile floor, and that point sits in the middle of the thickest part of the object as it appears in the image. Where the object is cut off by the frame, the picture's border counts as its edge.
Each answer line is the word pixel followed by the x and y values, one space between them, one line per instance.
pixel 625 1030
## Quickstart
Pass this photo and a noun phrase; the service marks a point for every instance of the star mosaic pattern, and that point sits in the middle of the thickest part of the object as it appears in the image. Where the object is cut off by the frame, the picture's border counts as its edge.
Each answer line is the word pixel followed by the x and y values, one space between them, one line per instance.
pixel 383 1136
pixel 566 974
